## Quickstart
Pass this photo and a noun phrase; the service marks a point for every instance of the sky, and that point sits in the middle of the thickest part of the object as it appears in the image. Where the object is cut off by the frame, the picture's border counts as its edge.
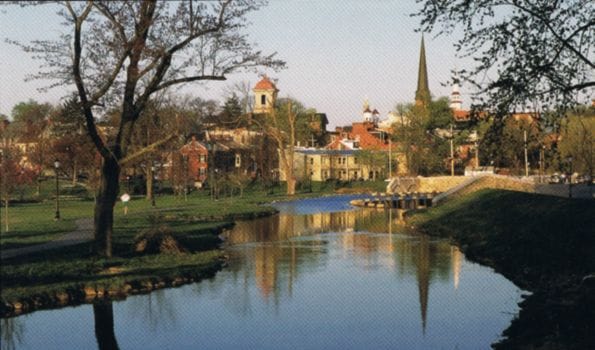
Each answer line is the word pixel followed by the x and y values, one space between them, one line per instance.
pixel 338 53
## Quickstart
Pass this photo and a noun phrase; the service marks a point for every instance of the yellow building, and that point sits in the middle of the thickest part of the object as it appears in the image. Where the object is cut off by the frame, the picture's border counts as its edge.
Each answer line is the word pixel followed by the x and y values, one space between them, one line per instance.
pixel 326 164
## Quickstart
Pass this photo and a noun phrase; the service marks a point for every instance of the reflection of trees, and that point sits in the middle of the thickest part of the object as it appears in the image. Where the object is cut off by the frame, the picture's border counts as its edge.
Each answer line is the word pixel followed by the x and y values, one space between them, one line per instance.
pixel 103 313
pixel 154 309
pixel 12 333
pixel 275 266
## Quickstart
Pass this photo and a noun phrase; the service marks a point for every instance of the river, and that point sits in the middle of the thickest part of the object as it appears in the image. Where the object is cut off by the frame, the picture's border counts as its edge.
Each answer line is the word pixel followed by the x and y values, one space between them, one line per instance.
pixel 320 275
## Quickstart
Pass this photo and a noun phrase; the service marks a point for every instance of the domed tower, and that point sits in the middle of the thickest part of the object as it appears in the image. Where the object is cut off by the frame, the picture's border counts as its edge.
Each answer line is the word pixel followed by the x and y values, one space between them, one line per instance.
pixel 367 113
pixel 456 103
pixel 265 94
pixel 375 116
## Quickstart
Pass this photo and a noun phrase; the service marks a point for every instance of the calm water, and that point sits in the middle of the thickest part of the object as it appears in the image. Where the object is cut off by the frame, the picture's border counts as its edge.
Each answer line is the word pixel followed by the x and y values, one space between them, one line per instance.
pixel 324 276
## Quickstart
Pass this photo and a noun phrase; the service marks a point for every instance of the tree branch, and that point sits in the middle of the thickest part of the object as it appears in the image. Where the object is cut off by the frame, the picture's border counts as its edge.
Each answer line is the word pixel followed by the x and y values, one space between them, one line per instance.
pixel 76 71
pixel 148 149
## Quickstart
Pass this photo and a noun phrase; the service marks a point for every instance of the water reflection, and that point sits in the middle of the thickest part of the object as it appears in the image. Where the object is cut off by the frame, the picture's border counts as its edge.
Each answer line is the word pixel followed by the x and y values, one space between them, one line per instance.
pixel 12 333
pixel 103 313
pixel 276 250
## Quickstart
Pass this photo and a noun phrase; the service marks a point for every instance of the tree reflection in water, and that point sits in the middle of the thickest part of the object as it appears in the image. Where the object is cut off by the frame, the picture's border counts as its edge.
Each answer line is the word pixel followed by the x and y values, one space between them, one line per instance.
pixel 12 333
pixel 103 312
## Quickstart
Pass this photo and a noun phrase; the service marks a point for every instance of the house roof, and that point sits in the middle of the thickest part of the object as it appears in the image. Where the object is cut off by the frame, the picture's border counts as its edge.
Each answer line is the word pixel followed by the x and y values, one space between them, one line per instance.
pixel 333 152
pixel 461 115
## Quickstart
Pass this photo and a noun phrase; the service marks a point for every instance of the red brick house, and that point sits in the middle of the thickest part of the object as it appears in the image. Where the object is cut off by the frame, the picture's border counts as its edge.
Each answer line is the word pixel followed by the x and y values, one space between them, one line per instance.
pixel 197 156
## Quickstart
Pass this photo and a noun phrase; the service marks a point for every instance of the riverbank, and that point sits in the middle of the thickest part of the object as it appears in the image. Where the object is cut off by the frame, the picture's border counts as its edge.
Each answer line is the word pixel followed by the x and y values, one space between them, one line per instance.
pixel 72 275
pixel 542 244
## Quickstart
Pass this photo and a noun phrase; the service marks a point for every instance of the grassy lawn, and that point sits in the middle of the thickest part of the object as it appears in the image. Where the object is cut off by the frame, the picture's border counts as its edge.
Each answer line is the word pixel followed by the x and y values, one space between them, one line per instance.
pixel 33 223
pixel 518 231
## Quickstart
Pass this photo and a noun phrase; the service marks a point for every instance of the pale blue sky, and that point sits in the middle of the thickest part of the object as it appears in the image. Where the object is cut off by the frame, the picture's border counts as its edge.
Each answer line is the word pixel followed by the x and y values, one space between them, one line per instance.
pixel 337 52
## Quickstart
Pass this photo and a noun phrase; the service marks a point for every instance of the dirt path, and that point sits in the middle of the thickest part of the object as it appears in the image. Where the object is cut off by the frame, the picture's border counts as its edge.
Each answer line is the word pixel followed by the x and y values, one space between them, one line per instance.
pixel 82 233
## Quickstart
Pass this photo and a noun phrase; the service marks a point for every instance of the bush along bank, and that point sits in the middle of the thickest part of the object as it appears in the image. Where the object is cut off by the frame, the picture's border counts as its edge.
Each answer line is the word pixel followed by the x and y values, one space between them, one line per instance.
pixel 151 252
pixel 543 244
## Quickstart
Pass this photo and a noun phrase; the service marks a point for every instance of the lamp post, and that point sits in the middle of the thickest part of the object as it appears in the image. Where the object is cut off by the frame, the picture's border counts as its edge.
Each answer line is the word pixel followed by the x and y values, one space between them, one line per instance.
pixel 128 183
pixel 56 167
pixel 272 189
pixel 216 187
pixel 569 159
pixel 185 169
pixel 452 153
pixel 1 184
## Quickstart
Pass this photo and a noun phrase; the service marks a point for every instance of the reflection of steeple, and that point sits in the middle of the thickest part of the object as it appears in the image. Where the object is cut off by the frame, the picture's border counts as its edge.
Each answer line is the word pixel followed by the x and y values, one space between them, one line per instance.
pixel 423 278
pixel 456 258
pixel 422 94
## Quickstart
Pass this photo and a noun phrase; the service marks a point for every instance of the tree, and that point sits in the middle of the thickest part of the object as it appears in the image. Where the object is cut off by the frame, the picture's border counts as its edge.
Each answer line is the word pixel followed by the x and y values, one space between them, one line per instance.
pixel 231 113
pixel 70 145
pixel 123 53
pixel 280 126
pixel 533 50
pixel 13 177
pixel 29 127
pixel 421 138
pixel 374 160
pixel 503 142
pixel 577 141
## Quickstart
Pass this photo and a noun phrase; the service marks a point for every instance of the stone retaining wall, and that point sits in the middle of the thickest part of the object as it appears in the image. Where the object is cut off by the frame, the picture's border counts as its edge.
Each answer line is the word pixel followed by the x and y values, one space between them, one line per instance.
pixel 439 183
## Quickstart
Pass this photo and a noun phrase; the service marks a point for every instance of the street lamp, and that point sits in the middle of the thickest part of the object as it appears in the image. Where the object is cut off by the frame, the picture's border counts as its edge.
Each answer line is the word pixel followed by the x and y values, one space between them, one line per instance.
pixel 56 167
pixel 2 185
pixel 185 169
pixel 569 159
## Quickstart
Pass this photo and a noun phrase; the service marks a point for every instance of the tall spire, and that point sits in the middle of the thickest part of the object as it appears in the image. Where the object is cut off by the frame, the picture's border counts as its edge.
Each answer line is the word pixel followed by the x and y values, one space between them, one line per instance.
pixel 422 94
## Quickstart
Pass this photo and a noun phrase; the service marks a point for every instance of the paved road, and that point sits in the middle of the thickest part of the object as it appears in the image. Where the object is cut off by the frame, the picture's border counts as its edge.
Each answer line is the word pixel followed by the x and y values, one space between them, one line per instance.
pixel 83 233
pixel 561 190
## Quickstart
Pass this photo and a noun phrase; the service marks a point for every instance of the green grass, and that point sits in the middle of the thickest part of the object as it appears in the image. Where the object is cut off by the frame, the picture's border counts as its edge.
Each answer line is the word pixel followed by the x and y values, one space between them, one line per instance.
pixel 518 232
pixel 33 223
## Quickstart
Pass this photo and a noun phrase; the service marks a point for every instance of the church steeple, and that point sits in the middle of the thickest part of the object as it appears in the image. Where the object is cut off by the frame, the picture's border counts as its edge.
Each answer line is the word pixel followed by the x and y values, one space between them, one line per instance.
pixel 422 94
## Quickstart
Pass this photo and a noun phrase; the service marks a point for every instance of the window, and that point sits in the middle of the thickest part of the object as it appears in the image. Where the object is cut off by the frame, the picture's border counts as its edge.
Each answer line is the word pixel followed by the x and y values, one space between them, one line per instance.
pixel 203 158
pixel 263 100
pixel 202 171
pixel 238 160
pixel 312 161
pixel 355 160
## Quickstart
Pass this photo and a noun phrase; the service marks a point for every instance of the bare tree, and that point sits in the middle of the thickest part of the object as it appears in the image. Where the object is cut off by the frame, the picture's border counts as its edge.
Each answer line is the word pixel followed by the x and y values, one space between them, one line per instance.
pixel 523 49
pixel 123 52
pixel 280 125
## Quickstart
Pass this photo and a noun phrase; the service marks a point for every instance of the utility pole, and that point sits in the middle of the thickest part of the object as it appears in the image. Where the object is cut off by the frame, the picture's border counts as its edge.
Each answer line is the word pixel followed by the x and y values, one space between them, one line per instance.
pixel 476 149
pixel 541 163
pixel 2 174
pixel 452 153
pixel 526 157
pixel 390 158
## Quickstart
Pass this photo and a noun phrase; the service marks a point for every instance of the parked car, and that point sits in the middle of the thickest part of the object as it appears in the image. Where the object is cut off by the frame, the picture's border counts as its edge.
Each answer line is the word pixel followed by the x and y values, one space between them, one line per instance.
pixel 556 178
